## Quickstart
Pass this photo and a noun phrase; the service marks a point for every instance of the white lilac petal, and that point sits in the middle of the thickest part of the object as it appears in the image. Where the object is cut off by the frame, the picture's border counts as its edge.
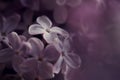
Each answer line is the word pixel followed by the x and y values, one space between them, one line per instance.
pixel 11 22
pixel 44 21
pixel 45 70
pixel 58 45
pixel 35 29
pixel 72 60
pixel 58 65
pixel 60 14
pixel 66 45
pixel 37 46
pixel 6 55
pixel 14 40
pixel 50 37
pixel 51 54
pixel 73 3
pixel 60 31
pixel 61 2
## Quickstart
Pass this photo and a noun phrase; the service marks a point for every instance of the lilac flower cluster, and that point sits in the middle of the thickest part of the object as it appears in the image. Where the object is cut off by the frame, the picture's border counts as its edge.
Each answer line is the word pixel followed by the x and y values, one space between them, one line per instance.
pixel 35 50
pixel 59 40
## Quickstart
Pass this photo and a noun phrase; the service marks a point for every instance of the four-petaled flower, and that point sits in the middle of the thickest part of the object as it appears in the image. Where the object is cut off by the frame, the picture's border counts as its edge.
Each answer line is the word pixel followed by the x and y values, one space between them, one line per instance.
pixel 7 25
pixel 44 26
pixel 37 64
pixel 67 58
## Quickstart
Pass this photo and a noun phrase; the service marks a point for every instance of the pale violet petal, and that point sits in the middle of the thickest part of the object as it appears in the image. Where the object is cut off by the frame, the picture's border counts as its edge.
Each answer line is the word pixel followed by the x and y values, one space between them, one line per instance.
pixel 35 29
pixel 37 46
pixel 29 64
pixel 45 70
pixel 51 54
pixel 60 31
pixel 23 38
pixel 61 2
pixel 72 60
pixel 58 65
pixel 44 21
pixel 14 40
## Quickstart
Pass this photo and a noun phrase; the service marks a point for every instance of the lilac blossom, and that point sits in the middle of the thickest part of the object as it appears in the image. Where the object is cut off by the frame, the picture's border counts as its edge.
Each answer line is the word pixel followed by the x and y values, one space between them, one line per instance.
pixel 14 50
pixel 8 24
pixel 38 64
pixel 67 58
pixel 44 26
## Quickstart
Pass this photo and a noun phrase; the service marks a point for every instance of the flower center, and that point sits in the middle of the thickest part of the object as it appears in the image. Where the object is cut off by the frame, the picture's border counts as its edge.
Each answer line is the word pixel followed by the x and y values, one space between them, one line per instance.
pixel 48 30
pixel 40 59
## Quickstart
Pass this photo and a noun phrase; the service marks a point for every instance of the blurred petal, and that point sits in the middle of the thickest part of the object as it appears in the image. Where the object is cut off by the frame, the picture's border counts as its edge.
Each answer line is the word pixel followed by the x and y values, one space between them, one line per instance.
pixel 61 2
pixel 6 55
pixel 32 4
pixel 29 65
pixel 73 3
pixel 60 14
pixel 51 54
pixel 14 40
pixel 28 76
pixel 25 49
pixel 10 23
pixel 72 60
pixel 44 21
pixel 29 69
pixel 59 31
pixel 17 60
pixel 37 46
pixel 58 65
pixel 36 29
pixel 23 38
pixel 45 70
